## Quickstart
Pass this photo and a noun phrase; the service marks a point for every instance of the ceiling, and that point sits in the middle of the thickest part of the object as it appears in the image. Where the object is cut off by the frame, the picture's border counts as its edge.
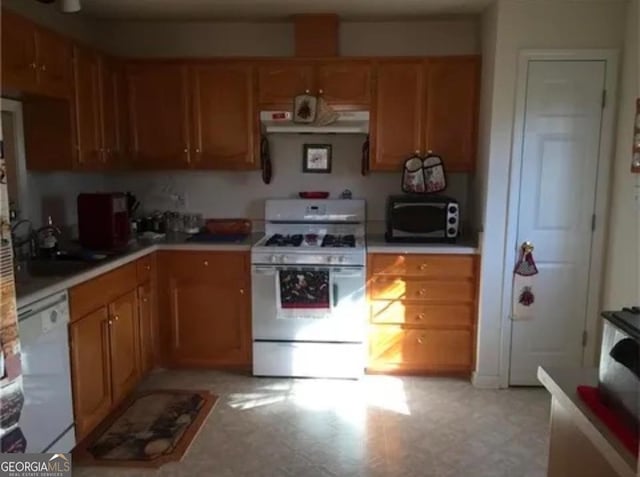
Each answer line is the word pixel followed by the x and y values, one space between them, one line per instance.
pixel 276 9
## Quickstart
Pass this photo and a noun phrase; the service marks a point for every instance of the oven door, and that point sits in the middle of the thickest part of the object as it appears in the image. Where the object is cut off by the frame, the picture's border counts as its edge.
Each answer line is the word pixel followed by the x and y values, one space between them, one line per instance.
pixel 307 303
pixel 419 219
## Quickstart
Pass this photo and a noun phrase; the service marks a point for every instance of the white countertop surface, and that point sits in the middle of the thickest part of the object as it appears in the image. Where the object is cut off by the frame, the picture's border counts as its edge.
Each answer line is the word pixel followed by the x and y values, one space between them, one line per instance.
pixel 562 384
pixel 33 288
pixel 376 244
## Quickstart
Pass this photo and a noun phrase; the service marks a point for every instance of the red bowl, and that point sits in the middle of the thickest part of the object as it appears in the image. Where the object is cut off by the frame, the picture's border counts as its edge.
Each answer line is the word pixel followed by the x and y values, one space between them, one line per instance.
pixel 314 195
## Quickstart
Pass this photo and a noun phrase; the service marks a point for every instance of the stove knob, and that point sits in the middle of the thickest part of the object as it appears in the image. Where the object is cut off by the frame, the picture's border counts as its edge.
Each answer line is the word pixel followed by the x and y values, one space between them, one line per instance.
pixel 329 259
pixel 284 259
pixel 273 259
pixel 342 259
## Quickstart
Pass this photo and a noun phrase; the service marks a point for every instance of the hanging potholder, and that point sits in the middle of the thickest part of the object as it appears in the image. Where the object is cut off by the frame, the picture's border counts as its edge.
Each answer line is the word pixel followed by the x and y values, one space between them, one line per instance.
pixel 413 176
pixel 305 108
pixel 434 176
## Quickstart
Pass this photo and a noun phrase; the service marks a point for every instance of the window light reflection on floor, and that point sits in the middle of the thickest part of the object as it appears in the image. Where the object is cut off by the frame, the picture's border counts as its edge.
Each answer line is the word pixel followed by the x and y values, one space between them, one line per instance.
pixel 349 399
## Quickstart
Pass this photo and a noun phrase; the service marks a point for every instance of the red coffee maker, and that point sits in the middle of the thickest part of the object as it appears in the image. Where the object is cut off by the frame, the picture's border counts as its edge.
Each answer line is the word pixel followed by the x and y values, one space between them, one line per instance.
pixel 103 221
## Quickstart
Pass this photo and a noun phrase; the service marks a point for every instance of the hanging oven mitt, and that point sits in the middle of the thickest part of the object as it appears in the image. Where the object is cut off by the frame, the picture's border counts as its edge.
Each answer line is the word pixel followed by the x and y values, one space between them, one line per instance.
pixel 435 179
pixel 413 176
pixel 325 114
pixel 305 107
pixel 524 299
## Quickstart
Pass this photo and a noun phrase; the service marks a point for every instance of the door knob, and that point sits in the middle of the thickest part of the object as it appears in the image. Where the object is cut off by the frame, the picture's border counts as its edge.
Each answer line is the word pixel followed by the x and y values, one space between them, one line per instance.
pixel 527 247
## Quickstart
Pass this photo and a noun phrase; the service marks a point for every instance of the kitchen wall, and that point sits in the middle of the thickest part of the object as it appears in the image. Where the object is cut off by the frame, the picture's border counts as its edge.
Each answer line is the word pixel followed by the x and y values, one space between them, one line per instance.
pixel 622 274
pixel 521 24
pixel 446 36
pixel 241 194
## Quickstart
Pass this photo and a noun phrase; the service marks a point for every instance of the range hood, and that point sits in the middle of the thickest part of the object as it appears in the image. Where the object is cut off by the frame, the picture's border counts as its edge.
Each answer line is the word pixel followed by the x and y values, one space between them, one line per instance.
pixel 348 122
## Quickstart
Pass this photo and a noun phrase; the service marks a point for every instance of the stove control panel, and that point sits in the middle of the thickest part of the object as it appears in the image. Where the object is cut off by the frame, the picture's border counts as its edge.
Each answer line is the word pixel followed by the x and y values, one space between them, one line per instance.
pixel 353 259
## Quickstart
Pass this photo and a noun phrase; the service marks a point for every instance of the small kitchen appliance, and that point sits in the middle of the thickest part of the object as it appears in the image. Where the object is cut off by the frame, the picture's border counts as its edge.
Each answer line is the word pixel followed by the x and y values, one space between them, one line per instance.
pixel 619 371
pixel 103 221
pixel 308 290
pixel 422 219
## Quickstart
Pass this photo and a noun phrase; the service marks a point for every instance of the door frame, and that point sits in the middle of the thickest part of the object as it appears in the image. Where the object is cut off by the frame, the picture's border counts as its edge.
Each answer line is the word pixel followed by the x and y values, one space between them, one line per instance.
pixel 15 108
pixel 605 161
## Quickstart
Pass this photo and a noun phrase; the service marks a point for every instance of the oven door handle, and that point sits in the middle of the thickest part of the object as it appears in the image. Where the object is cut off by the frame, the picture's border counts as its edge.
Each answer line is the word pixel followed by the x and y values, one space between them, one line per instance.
pixel 268 271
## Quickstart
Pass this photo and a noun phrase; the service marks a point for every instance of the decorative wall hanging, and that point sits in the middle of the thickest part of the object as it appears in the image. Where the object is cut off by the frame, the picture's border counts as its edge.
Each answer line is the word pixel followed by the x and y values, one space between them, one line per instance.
pixel 423 175
pixel 316 158
pixel 265 160
pixel 635 160
pixel 524 299
pixel 305 108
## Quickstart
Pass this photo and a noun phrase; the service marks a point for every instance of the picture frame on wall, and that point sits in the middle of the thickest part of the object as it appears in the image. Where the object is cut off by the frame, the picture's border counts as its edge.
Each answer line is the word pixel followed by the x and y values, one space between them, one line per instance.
pixel 316 158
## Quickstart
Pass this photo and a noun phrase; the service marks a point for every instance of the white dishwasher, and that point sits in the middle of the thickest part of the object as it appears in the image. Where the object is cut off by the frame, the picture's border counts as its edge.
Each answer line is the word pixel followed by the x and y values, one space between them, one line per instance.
pixel 47 415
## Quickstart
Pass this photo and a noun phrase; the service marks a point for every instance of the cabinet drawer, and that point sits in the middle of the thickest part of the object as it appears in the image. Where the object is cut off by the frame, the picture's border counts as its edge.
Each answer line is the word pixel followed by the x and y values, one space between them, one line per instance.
pixel 431 266
pixel 393 347
pixel 146 268
pixel 102 290
pixel 223 265
pixel 456 291
pixel 398 312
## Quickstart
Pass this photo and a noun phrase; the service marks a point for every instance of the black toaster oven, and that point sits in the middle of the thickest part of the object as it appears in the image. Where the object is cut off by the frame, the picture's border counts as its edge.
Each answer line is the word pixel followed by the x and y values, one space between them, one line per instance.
pixel 422 219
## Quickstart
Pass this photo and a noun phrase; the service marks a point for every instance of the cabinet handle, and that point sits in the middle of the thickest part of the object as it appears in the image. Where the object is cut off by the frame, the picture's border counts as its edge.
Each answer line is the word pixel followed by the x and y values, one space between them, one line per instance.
pixel 198 151
pixel 417 152
pixel 307 91
pixel 242 291
pixel 421 316
pixel 116 318
pixel 421 339
pixel 423 266
pixel 109 322
pixel 33 66
pixel 421 292
pixel 186 151
pixel 206 263
pixel 43 67
pixel 320 92
pixel 144 300
pixel 147 268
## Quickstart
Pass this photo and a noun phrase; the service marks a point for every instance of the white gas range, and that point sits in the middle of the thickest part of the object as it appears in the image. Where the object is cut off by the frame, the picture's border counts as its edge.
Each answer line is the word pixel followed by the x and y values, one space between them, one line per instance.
pixel 308 290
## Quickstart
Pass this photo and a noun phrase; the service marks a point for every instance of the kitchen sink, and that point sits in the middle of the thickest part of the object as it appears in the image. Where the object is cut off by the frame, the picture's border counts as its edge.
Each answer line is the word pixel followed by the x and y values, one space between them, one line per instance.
pixel 55 268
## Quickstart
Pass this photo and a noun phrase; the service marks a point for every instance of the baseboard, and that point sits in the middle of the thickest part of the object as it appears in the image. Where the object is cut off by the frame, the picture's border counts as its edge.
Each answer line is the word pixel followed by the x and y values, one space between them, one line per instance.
pixel 486 381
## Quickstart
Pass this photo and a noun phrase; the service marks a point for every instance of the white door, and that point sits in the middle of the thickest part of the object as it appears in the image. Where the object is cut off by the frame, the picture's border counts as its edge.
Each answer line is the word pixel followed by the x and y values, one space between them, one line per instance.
pixel 561 141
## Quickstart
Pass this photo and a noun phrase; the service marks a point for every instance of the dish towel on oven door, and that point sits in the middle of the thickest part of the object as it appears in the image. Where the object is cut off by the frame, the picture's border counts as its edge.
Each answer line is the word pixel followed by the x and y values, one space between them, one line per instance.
pixel 304 293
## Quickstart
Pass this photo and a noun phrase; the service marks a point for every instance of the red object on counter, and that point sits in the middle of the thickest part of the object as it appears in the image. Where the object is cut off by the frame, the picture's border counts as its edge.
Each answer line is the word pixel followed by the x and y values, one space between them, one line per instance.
pixel 591 397
pixel 314 195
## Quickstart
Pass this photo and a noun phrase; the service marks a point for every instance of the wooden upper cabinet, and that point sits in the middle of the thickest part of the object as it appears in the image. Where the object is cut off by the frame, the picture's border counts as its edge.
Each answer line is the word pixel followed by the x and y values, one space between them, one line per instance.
pixel 34 60
pixel 54 53
pixel 91 370
pixel 19 67
pixel 452 110
pixel 345 82
pixel 224 124
pixel 280 82
pixel 87 109
pixel 397 115
pixel 158 115
pixel 112 108
pixel 124 344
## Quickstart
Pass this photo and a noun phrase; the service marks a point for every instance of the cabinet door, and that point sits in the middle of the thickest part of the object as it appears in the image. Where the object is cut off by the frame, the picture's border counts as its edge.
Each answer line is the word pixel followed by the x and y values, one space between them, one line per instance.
pixel 224 123
pixel 112 102
pixel 158 115
pixel 420 350
pixel 87 109
pixel 209 309
pixel 124 345
pixel 345 83
pixel 91 373
pixel 280 82
pixel 146 328
pixel 397 115
pixel 18 61
pixel 54 58
pixel 452 111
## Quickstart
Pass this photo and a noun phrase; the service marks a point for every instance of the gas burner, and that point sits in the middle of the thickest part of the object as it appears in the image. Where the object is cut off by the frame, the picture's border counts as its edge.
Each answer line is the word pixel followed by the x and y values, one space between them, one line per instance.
pixel 330 240
pixel 279 240
pixel 311 239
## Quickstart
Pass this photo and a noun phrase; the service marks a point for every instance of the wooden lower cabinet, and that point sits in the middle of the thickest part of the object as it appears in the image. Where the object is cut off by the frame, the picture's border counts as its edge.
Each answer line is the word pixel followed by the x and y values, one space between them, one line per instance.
pixel 147 328
pixel 207 308
pixel 422 313
pixel 123 345
pixel 112 337
pixel 91 370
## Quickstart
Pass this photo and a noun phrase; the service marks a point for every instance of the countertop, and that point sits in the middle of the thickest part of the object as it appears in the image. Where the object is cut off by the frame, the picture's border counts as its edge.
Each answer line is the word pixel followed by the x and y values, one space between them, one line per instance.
pixel 562 384
pixel 464 246
pixel 30 288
